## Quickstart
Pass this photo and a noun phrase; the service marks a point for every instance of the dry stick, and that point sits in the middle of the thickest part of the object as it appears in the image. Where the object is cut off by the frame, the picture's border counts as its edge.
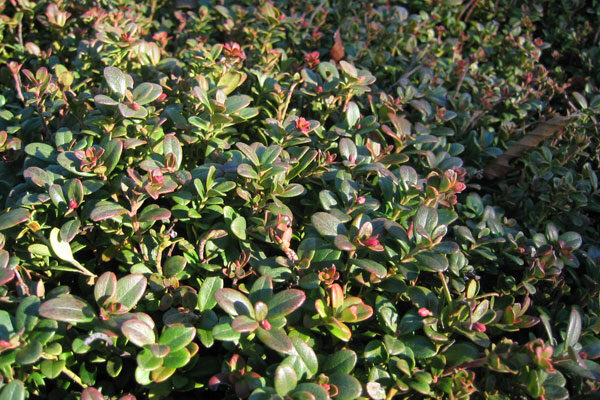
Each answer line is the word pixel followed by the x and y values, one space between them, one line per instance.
pixel 460 82
pixel 471 10
pixel 465 9
pixel 281 117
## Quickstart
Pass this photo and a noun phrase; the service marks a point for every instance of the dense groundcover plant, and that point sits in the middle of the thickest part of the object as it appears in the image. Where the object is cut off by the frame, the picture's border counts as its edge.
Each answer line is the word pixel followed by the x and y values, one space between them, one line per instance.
pixel 299 200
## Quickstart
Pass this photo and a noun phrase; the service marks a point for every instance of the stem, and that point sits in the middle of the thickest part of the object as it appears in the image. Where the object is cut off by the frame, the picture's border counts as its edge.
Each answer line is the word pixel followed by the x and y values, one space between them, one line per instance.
pixel 391 394
pixel 73 377
pixel 446 289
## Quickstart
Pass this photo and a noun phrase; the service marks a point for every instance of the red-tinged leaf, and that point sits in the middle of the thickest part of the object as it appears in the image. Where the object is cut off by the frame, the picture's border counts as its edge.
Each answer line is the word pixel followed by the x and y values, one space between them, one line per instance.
pixel 91 394
pixel 337 296
pixel 146 93
pixel 155 213
pixel 130 290
pixel 337 51
pixel 13 218
pixel 138 332
pixel 357 313
pixel 6 275
pixel 234 303
pixel 105 210
pixel 105 100
pixel 284 303
pixel 276 339
pixel 105 288
pixel 161 374
pixel 285 379
pixel 343 243
pixel 243 323
pixel 67 308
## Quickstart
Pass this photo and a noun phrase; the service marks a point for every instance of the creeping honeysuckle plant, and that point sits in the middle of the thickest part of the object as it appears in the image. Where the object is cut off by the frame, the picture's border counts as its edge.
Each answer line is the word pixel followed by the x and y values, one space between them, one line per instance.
pixel 310 200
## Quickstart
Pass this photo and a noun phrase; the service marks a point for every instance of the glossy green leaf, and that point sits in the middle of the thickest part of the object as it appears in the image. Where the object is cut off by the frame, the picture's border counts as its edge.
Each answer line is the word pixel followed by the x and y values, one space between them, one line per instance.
pixel 116 80
pixel 276 339
pixel 284 303
pixel 105 288
pixel 13 390
pixel 328 225
pixel 105 210
pixel 130 290
pixel 285 380
pixel 177 336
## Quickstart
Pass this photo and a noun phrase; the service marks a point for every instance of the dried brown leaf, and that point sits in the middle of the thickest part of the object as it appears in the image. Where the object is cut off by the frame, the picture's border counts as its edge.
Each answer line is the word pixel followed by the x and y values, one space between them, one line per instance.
pixel 500 166
pixel 337 51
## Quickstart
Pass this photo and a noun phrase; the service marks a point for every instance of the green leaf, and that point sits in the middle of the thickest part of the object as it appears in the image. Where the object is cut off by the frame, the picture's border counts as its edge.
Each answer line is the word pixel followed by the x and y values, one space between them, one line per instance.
pixel 236 103
pixel 105 100
pixel 30 353
pixel 206 296
pixel 112 155
pixel 172 145
pixel 148 361
pixel 421 346
pixel 427 218
pixel 234 303
pixel 316 391
pixel 116 79
pixel 386 311
pixel 328 225
pixel 154 213
pixel 138 332
pixel 284 303
pixel 432 261
pixel 285 380
pixel 371 266
pixel 238 227
pixel 347 148
pixel 26 316
pixel 177 336
pixel 13 218
pixel 105 210
pixel 276 339
pixel 105 288
pixel 130 290
pixel 247 171
pixel 573 329
pixel 41 151
pixel 338 329
pixel 174 265
pixel 13 390
pixel 146 93
pixel 262 290
pixel 303 358
pixel 177 359
pixel 52 368
pixel 69 230
pixel 67 308
pixel 341 362
pixel 349 387
pixel 129 112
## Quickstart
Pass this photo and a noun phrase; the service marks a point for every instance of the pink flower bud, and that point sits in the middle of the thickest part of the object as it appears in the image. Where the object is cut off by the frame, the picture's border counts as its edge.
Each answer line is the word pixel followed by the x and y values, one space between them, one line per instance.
pixel 424 312
pixel 479 327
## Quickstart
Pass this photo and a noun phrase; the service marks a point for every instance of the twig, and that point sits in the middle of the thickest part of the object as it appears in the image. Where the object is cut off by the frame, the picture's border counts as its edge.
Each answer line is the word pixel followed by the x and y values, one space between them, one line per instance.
pixel 281 115
pixel 315 11
pixel 460 82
